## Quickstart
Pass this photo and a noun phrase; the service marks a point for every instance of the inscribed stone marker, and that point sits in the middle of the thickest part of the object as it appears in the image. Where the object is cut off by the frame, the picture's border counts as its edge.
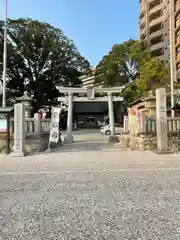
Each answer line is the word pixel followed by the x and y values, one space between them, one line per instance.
pixel 161 120
pixel 19 130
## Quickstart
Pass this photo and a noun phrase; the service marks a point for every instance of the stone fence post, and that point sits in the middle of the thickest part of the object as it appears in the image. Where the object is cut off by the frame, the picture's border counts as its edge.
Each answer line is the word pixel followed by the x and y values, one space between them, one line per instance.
pixel 37 123
pixel 143 124
pixel 126 128
pixel 161 120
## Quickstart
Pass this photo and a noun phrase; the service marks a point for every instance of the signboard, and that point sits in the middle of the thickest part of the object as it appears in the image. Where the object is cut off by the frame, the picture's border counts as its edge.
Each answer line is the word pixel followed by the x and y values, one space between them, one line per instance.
pixel 54 127
pixel 3 125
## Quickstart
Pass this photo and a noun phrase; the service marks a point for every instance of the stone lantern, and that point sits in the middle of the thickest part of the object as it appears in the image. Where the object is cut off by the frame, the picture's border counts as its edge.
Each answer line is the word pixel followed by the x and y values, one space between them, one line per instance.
pixel 26 100
pixel 150 93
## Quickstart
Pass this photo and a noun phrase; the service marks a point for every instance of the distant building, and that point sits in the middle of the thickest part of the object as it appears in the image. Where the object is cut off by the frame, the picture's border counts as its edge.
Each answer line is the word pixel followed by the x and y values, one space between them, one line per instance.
pixel 88 80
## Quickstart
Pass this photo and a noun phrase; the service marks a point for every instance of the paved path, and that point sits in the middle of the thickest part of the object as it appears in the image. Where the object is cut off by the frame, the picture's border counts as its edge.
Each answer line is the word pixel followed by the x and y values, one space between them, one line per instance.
pixel 90 190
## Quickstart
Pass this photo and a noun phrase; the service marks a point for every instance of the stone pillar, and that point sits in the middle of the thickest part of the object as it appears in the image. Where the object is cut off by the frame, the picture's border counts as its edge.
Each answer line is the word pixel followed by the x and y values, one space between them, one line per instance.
pixel 37 123
pixel 111 114
pixel 19 130
pixel 143 128
pixel 69 137
pixel 161 120
pixel 112 138
pixel 126 129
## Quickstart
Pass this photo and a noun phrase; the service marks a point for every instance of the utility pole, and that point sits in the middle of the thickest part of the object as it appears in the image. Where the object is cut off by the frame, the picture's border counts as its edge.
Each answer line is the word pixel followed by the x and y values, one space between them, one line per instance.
pixel 171 38
pixel 4 58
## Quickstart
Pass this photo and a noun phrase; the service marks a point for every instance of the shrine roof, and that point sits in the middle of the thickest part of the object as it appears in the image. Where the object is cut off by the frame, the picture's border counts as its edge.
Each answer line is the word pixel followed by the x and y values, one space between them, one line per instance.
pixel 143 99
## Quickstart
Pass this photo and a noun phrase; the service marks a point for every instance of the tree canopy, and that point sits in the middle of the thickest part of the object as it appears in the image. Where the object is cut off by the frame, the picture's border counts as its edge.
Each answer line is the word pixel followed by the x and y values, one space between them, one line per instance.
pixel 130 64
pixel 153 74
pixel 40 57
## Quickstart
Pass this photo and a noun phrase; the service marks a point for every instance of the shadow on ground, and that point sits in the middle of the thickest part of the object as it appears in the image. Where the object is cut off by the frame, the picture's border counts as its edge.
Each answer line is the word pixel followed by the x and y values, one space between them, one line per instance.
pixel 86 140
pixel 87 146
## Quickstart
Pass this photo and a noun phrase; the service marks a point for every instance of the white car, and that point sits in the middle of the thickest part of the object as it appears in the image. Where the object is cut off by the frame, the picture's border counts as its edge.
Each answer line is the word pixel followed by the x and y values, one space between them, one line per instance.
pixel 118 129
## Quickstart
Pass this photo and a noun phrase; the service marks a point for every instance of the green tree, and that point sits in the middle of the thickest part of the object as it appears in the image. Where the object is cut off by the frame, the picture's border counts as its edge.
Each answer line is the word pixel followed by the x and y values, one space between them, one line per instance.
pixel 130 93
pixel 121 65
pixel 130 64
pixel 39 58
pixel 153 74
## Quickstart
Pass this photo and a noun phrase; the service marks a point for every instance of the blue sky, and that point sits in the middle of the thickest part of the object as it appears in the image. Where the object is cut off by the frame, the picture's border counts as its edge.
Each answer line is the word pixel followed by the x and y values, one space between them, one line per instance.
pixel 94 25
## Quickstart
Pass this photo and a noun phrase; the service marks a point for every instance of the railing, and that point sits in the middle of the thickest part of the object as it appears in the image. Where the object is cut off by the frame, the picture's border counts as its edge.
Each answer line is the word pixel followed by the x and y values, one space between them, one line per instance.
pixel 30 125
pixel 45 125
pixel 173 125
pixel 151 125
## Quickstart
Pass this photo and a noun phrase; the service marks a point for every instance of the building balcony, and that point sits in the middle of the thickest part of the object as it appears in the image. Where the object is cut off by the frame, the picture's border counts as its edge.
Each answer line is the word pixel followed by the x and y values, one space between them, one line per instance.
pixel 178 74
pixel 157 33
pixel 157 46
pixel 88 83
pixel 178 23
pixel 142 31
pixel 154 1
pixel 156 21
pixel 142 22
pixel 142 8
pixel 177 58
pixel 177 41
pixel 141 15
pixel 177 6
pixel 156 8
pixel 142 11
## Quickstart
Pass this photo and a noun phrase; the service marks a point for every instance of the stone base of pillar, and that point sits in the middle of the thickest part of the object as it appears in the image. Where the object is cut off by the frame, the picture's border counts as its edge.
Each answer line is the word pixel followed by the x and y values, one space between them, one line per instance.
pixel 48 150
pixel 113 139
pixel 68 139
pixel 18 154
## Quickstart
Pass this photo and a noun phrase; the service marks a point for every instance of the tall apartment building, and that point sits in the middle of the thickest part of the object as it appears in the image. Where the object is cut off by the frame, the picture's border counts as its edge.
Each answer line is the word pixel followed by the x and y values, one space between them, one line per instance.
pixel 154 27
pixel 176 36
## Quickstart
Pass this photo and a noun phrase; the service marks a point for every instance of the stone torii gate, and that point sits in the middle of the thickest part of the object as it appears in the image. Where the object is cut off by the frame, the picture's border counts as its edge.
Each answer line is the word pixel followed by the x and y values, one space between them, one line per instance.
pixel 90 97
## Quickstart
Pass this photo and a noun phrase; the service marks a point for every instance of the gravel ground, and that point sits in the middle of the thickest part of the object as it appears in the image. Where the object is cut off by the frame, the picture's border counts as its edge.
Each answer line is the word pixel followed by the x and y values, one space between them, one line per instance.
pixel 90 191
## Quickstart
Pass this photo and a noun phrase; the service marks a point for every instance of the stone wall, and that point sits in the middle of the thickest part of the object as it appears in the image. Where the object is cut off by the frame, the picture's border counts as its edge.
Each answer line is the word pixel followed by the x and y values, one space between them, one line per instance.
pixel 174 141
pixel 4 142
pixel 145 142
pixel 140 143
pixel 34 142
